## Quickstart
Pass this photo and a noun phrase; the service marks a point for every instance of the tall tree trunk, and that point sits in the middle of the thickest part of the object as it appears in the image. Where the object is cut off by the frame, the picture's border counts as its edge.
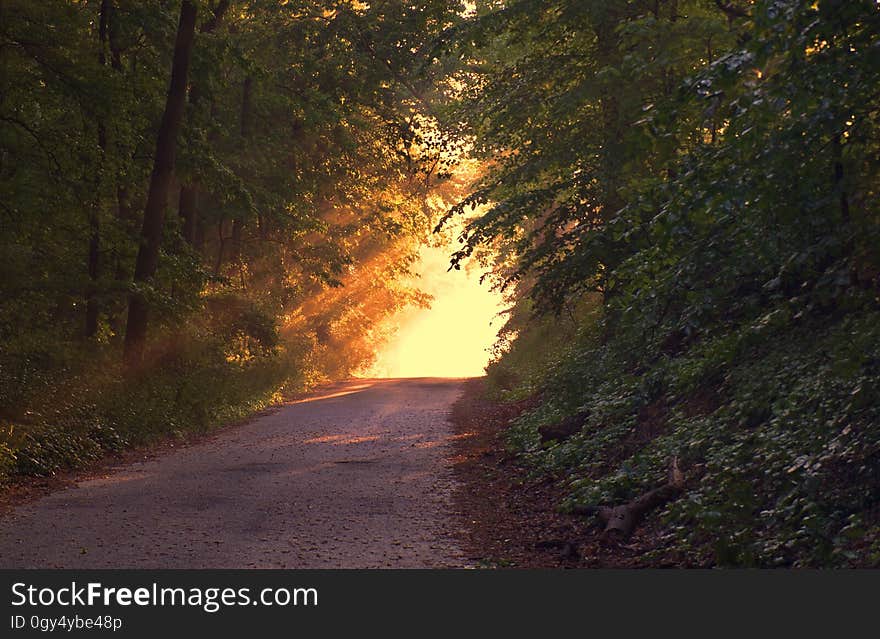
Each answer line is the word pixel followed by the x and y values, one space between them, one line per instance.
pixel 94 259
pixel 611 158
pixel 607 42
pixel 109 30
pixel 247 101
pixel 94 269
pixel 839 186
pixel 123 199
pixel 188 203
pixel 237 227
pixel 221 243
pixel 245 129
pixel 160 183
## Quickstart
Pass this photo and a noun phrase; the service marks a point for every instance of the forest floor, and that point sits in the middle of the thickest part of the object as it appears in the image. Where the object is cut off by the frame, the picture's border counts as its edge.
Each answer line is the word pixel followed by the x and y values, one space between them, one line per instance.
pixel 510 519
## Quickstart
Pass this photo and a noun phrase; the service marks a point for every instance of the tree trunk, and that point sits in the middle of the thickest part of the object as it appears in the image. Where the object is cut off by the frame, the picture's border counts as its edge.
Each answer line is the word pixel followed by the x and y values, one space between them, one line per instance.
pixel 123 200
pixel 221 243
pixel 94 259
pixel 188 206
pixel 189 191
pixel 237 225
pixel 839 185
pixel 93 309
pixel 247 100
pixel 245 129
pixel 94 263
pixel 160 183
pixel 125 211
pixel 611 158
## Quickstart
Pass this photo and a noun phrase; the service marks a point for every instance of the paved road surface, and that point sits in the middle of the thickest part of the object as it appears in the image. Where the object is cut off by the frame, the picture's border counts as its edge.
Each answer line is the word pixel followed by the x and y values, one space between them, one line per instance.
pixel 355 476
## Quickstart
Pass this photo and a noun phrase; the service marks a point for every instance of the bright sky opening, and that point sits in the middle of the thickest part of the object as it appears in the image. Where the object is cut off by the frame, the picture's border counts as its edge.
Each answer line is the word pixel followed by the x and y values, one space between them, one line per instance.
pixel 452 338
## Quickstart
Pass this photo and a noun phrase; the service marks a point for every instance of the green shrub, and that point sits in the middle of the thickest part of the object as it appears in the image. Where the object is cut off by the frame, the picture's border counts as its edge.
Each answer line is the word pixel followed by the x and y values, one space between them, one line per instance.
pixel 67 410
pixel 784 460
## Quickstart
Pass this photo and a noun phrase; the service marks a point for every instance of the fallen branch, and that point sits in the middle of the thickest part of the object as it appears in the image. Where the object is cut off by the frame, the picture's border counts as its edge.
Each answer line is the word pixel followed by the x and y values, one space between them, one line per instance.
pixel 621 521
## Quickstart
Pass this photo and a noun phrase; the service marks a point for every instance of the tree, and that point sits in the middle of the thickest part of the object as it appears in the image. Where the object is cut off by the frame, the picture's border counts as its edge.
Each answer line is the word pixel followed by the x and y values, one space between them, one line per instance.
pixel 160 184
pixel 556 94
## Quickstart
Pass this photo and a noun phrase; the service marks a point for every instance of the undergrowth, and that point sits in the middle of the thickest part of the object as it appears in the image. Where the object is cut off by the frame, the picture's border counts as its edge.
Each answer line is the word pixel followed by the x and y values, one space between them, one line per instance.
pixel 778 429
pixel 61 414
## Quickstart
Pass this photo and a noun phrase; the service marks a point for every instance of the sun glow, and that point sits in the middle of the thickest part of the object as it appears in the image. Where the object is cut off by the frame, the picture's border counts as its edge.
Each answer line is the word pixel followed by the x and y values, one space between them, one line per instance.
pixel 451 338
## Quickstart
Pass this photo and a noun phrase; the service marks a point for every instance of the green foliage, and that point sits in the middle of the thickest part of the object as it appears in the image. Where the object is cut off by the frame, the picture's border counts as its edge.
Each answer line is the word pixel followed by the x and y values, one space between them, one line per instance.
pixel 307 155
pixel 737 259
pixel 680 198
pixel 89 408
pixel 529 348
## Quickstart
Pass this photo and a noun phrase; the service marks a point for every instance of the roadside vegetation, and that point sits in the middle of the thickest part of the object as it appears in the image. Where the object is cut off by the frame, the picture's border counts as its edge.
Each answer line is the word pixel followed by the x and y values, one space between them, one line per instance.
pixel 205 203
pixel 682 203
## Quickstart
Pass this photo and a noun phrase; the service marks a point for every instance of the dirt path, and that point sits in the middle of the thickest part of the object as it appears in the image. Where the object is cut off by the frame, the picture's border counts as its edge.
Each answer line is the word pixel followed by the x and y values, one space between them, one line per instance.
pixel 356 476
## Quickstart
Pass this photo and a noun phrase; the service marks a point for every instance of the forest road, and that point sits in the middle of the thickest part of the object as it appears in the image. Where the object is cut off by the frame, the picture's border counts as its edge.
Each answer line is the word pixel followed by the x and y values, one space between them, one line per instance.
pixel 356 475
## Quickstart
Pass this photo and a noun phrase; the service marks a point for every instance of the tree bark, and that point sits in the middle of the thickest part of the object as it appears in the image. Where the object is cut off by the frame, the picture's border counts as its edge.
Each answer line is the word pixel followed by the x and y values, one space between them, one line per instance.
pixel 160 183
pixel 237 226
pixel 94 258
pixel 245 128
pixel 247 99
pixel 109 32
pixel 188 204
pixel 93 309
pixel 839 185
pixel 221 243
pixel 620 521
pixel 611 158
pixel 123 200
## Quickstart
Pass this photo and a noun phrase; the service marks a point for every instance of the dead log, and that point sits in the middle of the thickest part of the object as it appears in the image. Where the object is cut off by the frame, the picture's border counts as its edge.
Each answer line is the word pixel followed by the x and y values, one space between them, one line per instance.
pixel 564 429
pixel 620 521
